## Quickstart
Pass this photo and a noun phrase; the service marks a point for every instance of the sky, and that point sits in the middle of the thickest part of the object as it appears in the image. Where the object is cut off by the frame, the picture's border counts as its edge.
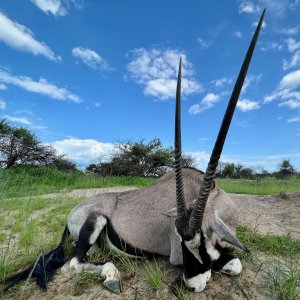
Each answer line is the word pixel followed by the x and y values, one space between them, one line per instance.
pixel 86 74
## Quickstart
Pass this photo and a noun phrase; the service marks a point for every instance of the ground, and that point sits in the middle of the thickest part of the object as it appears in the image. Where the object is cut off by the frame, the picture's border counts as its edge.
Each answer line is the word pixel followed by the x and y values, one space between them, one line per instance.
pixel 277 215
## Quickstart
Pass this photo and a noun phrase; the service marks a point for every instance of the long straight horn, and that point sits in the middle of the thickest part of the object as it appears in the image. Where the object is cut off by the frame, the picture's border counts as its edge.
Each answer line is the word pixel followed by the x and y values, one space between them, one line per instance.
pixel 181 207
pixel 198 211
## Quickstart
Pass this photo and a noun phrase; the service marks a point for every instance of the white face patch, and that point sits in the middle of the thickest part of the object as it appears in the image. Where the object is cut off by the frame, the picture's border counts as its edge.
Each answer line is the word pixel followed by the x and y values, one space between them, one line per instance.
pixel 98 226
pixel 198 283
pixel 193 245
pixel 233 267
pixel 211 250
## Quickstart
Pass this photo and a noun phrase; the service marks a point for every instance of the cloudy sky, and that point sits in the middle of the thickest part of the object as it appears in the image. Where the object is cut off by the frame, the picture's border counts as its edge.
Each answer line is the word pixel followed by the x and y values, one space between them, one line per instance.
pixel 86 74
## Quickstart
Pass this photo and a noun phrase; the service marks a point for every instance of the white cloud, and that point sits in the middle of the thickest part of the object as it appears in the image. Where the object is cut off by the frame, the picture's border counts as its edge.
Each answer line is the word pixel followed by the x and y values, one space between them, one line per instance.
pixel 2 104
pixel 249 80
pixel 90 57
pixel 85 151
pixel 21 120
pixel 290 31
pixel 287 92
pixel 3 86
pixel 222 81
pixel 277 8
pixel 292 103
pixel 294 61
pixel 57 8
pixel 54 7
pixel 292 44
pixel 41 87
pixel 290 81
pixel 295 119
pixel 39 127
pixel 246 105
pixel 264 24
pixel 204 44
pixel 19 37
pixel 248 7
pixel 207 102
pixel 272 46
pixel 99 104
pixel 156 70
pixel 24 111
pixel 284 94
pixel 238 34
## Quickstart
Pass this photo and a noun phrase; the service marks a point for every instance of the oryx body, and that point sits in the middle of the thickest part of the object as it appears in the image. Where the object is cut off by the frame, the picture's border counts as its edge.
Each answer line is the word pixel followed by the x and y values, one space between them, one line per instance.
pixel 143 218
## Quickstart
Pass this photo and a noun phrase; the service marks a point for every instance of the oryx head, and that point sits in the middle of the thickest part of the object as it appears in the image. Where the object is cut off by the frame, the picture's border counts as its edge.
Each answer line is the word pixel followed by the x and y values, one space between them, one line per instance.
pixel 197 258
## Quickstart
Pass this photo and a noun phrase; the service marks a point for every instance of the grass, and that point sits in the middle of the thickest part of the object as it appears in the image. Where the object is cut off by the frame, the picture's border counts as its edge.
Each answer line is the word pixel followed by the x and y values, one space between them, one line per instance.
pixel 31 226
pixel 154 276
pixel 280 245
pixel 29 181
pixel 267 186
pixel 286 280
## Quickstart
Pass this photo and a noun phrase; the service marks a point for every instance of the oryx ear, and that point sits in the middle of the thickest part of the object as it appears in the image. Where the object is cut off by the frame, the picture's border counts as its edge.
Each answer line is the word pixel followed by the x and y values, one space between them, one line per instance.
pixel 226 235
pixel 172 213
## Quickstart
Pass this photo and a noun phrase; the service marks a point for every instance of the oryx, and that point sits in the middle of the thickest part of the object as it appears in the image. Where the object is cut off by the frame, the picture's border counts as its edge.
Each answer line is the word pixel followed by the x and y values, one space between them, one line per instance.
pixel 184 217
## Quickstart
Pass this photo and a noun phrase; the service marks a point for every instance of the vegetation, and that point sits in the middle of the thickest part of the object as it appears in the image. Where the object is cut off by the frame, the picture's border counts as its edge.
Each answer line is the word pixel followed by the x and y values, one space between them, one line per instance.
pixel 282 245
pixel 136 159
pixel 32 180
pixel 286 280
pixel 20 147
pixel 155 276
pixel 139 159
pixel 266 186
pixel 238 171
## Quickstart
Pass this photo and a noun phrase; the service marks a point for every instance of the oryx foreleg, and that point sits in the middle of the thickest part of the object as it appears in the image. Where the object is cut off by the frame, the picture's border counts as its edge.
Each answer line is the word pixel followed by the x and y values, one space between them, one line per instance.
pixel 87 239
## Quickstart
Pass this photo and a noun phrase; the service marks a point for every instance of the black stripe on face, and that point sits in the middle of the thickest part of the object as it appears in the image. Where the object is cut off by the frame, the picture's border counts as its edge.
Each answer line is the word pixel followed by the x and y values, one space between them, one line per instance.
pixel 119 243
pixel 191 265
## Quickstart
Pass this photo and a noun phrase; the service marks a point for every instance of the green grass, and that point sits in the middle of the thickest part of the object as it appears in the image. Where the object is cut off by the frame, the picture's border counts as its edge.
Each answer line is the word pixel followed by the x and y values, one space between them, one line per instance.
pixel 280 245
pixel 267 186
pixel 154 276
pixel 31 226
pixel 286 280
pixel 28 181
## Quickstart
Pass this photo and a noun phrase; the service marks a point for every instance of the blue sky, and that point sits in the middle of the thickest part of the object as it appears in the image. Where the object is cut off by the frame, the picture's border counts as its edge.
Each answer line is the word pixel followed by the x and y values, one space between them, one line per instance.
pixel 84 75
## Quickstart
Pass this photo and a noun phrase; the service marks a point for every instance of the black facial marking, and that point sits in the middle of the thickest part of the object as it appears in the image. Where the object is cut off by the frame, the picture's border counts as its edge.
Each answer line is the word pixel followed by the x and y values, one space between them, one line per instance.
pixel 119 243
pixel 192 267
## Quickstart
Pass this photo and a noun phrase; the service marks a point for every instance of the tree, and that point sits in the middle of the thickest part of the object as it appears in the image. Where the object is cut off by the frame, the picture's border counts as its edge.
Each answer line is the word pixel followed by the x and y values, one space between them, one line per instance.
pixel 136 159
pixel 229 169
pixel 19 146
pixel 61 163
pixel 285 169
pixel 188 161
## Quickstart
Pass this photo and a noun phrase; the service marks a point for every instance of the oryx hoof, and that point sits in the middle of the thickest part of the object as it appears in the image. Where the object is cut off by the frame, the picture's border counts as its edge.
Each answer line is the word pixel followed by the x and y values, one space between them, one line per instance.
pixel 113 285
pixel 233 267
